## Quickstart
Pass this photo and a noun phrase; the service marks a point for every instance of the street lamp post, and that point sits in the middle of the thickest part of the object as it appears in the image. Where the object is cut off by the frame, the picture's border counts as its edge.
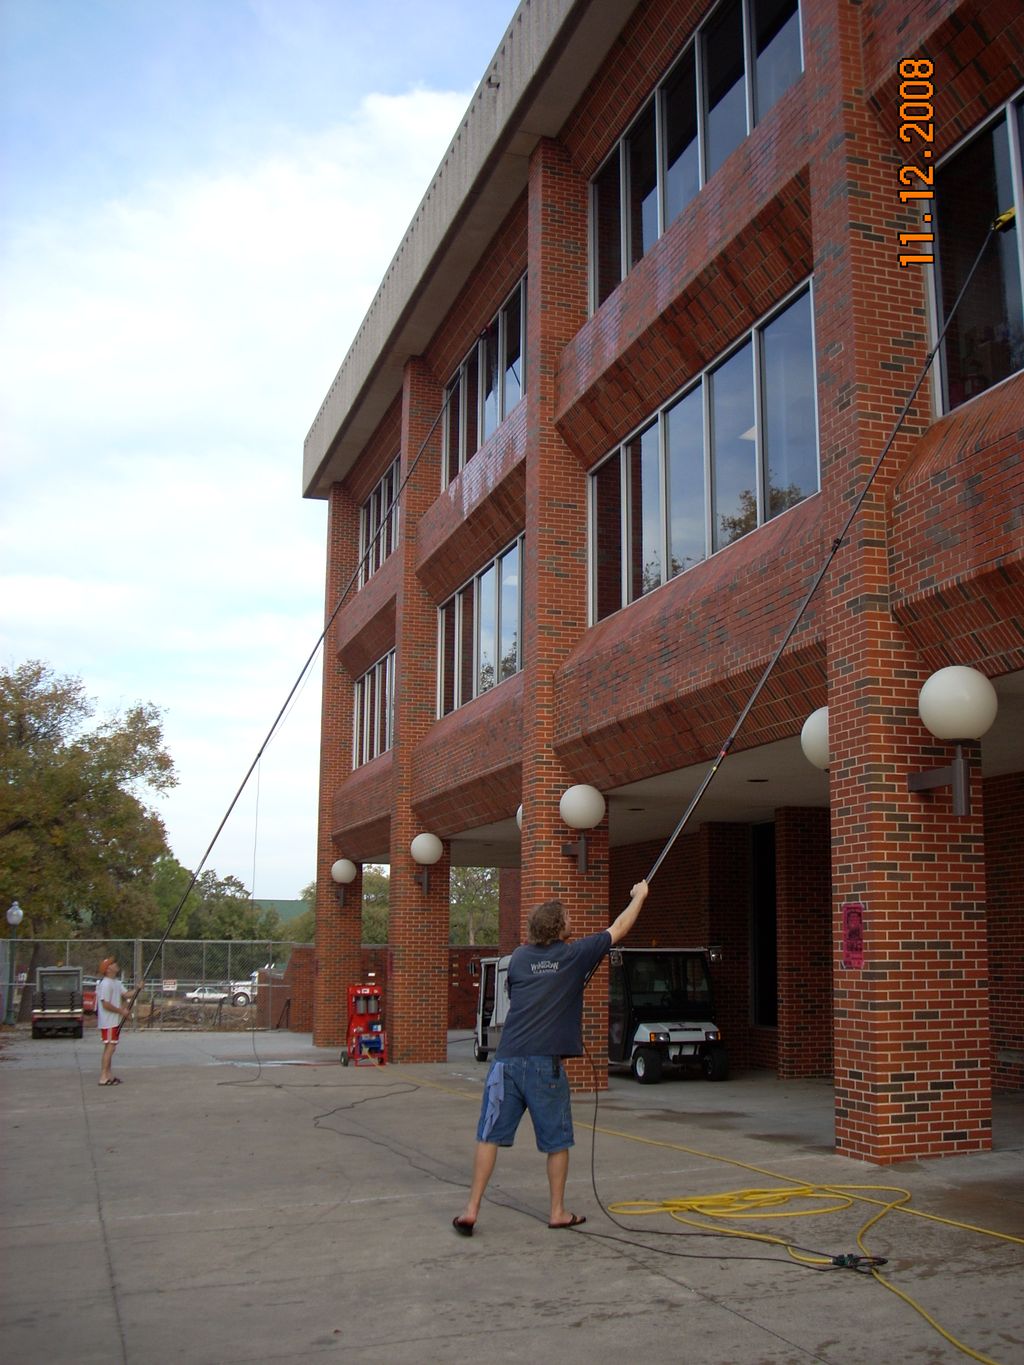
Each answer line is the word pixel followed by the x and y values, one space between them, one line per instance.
pixel 15 915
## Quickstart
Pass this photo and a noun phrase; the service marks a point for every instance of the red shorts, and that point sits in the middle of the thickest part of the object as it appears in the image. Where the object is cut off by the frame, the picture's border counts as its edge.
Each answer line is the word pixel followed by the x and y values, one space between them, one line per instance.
pixel 110 1035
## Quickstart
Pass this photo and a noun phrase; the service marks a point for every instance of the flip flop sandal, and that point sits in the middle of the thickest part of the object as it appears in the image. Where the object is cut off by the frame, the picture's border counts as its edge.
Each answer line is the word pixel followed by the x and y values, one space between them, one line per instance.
pixel 463 1229
pixel 575 1220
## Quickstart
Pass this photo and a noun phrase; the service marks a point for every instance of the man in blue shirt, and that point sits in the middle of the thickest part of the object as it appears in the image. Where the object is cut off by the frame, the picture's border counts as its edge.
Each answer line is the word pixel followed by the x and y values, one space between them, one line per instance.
pixel 546 977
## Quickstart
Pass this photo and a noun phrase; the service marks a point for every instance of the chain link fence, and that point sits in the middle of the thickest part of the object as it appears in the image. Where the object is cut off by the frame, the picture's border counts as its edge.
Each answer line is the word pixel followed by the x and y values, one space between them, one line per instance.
pixel 185 983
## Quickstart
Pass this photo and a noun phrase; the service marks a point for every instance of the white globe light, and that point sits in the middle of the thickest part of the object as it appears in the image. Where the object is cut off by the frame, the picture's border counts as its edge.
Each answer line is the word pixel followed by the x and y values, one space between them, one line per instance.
pixel 519 817
pixel 582 807
pixel 426 849
pixel 814 738
pixel 958 703
pixel 344 871
pixel 15 915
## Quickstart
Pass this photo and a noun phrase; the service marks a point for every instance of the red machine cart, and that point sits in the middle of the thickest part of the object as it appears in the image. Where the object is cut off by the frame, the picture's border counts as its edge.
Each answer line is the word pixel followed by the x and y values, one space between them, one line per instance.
pixel 366 1043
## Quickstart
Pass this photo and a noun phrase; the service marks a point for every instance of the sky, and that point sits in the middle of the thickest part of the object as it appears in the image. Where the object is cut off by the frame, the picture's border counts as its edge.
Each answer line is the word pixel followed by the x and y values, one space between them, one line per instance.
pixel 198 199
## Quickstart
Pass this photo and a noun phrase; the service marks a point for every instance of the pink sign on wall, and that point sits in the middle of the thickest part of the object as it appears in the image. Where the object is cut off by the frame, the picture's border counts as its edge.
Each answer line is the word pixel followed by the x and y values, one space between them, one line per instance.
pixel 853 934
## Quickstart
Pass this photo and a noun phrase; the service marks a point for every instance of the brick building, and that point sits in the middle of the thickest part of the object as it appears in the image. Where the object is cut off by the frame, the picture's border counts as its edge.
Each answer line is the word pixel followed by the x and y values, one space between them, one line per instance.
pixel 630 368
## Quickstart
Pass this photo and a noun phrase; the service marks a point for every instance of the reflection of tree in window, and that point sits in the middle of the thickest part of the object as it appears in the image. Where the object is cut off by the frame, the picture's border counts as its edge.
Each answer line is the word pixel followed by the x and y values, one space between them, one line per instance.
pixel 733 441
pixel 985 341
pixel 486 611
pixel 684 440
pixel 643 460
pixel 508 610
pixel 789 434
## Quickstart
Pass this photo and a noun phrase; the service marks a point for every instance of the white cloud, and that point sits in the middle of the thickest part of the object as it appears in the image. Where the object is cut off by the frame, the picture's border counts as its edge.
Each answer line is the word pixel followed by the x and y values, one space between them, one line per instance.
pixel 161 359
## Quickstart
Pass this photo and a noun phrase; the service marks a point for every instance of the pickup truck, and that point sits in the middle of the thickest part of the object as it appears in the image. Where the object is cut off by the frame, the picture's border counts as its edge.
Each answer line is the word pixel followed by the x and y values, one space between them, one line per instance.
pixel 57 1007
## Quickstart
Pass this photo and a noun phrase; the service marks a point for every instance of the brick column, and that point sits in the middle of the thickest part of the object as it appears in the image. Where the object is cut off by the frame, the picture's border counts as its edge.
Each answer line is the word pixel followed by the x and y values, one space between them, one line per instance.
pixel 338 931
pixel 725 874
pixel 417 999
pixel 911 1026
pixel 803 903
pixel 555 571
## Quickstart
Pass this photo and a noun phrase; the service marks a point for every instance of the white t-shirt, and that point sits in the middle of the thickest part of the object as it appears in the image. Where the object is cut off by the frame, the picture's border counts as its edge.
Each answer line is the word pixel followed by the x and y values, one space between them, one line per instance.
pixel 109 991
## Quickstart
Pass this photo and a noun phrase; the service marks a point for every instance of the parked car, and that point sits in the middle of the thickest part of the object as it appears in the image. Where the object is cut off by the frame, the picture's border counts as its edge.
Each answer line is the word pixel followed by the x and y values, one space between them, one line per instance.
pixel 89 984
pixel 208 995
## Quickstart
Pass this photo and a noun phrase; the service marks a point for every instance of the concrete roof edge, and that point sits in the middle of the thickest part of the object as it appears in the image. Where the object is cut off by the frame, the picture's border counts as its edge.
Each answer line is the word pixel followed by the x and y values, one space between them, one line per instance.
pixel 490 133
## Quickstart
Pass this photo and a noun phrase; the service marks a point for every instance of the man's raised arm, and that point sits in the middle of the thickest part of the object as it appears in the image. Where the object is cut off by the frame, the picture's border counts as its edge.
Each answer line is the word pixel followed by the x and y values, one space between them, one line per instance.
pixel 621 926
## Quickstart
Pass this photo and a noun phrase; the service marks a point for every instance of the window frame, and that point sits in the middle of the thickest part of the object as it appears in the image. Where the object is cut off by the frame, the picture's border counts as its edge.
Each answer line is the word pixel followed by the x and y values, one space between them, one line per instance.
pixel 693 49
pixel 698 383
pixel 1011 113
pixel 372 540
pixel 373 722
pixel 453 462
pixel 460 694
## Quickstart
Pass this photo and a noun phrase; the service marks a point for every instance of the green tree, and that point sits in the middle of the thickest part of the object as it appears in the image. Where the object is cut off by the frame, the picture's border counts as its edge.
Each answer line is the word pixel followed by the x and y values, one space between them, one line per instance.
pixel 376 899
pixel 474 905
pixel 170 882
pixel 216 908
pixel 78 843
pixel 302 928
pixel 376 891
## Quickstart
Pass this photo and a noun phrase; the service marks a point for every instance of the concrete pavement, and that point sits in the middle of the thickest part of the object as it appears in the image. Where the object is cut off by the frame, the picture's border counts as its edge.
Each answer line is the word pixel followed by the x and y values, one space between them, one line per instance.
pixel 245 1198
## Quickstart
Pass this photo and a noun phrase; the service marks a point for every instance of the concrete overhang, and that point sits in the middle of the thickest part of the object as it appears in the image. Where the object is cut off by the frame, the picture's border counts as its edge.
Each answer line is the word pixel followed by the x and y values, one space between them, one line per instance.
pixel 530 88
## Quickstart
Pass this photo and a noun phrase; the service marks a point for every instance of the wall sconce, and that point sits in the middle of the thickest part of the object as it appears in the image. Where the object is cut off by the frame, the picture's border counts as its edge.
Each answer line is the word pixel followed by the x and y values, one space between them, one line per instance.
pixel 343 873
pixel 426 849
pixel 581 807
pixel 959 705
pixel 519 816
pixel 814 738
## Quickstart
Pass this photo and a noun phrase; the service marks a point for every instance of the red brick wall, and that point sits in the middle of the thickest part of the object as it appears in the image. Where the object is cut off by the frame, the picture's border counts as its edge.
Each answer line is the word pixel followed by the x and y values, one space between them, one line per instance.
pixel 299 981
pixel 417 918
pixel 903 1089
pixel 337 931
pixel 1004 862
pixel 804 936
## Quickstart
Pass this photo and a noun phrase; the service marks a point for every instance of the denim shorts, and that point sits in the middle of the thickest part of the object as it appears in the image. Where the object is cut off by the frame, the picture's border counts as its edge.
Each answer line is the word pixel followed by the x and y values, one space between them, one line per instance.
pixel 538 1084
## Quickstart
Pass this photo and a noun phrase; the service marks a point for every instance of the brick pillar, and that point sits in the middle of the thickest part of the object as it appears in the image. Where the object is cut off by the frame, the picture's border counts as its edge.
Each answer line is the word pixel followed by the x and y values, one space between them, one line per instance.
pixel 910 1027
pixel 555 571
pixel 803 907
pixel 725 879
pixel 1004 877
pixel 417 1001
pixel 338 931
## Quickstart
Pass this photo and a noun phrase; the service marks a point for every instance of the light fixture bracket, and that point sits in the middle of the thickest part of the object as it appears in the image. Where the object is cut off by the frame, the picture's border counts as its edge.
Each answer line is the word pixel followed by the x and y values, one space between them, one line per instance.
pixel 578 850
pixel 955 775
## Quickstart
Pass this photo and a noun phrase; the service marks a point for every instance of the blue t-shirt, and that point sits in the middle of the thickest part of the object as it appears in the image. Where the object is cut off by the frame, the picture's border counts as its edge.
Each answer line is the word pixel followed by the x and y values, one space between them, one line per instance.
pixel 545 1015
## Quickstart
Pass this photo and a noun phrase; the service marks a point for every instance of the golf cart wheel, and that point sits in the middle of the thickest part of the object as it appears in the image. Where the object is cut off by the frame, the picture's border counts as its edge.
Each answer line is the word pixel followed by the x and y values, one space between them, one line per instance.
pixel 647 1065
pixel 715 1064
pixel 240 999
pixel 480 1053
pixel 344 1059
